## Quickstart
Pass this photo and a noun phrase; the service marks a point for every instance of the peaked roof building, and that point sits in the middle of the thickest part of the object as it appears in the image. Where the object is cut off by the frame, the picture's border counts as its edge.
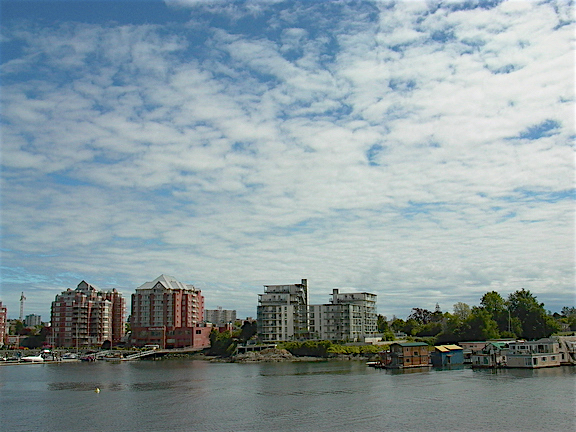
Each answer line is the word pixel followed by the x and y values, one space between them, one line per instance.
pixel 166 312
pixel 87 316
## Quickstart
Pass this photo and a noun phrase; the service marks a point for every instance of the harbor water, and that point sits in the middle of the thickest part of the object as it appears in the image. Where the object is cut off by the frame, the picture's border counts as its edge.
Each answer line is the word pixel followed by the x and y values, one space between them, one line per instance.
pixel 190 395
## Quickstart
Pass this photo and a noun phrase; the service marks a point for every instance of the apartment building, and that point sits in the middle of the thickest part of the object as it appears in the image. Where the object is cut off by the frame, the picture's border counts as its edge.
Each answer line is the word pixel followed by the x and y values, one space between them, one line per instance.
pixel 32 320
pixel 220 317
pixel 87 316
pixel 348 317
pixel 168 313
pixel 3 326
pixel 282 312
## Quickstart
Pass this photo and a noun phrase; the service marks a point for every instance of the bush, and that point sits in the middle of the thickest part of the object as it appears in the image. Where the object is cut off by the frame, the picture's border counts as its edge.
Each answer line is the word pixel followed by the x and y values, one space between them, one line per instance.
pixel 221 344
pixel 327 349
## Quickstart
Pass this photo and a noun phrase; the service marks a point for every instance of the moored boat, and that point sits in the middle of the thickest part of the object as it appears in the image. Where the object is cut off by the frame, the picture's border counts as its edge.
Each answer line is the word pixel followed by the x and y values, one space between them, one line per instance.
pixel 35 359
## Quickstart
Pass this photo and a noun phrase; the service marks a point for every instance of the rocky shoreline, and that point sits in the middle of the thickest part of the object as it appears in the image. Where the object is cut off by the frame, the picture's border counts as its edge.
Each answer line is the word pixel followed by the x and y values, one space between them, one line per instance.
pixel 270 355
pixel 274 355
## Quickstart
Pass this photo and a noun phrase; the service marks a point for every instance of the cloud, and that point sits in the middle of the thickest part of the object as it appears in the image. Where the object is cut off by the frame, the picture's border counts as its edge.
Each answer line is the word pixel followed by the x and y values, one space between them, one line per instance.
pixel 406 149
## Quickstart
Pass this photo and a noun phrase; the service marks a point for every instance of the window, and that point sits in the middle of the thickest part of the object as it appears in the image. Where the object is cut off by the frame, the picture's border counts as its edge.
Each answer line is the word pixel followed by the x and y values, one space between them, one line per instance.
pixel 198 331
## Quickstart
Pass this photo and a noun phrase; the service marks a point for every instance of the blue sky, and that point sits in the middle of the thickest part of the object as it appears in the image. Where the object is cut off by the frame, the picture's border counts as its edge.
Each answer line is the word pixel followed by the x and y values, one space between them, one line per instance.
pixel 421 151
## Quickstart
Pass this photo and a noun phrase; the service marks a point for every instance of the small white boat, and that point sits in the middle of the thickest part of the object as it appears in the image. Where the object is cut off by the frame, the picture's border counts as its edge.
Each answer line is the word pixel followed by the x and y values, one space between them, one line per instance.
pixel 69 356
pixel 37 358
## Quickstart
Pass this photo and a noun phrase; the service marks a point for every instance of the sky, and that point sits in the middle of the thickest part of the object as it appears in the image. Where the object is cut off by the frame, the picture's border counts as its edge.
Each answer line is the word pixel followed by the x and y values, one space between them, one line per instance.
pixel 418 150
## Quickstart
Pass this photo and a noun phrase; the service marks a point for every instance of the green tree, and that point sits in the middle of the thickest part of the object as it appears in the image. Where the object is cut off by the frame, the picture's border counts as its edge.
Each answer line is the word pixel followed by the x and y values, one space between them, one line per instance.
pixel 422 316
pixel 429 329
pixel 32 342
pixel 568 317
pixel 221 344
pixel 451 329
pixel 497 307
pixel 248 330
pixel 382 324
pixel 384 328
pixel 479 326
pixel 534 322
pixel 398 324
pixel 411 327
pixel 462 311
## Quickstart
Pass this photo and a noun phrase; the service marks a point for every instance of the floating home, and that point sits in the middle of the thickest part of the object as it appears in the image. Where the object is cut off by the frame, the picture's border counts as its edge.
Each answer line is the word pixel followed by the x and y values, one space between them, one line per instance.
pixel 405 355
pixel 447 355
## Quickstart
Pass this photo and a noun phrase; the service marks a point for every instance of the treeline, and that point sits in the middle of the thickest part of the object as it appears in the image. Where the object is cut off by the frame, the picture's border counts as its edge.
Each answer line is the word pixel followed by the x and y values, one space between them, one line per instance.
pixel 518 316
pixel 326 349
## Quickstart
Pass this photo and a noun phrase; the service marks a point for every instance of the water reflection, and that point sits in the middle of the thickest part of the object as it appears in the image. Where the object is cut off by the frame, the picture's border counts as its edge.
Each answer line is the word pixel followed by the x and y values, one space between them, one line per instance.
pixel 342 396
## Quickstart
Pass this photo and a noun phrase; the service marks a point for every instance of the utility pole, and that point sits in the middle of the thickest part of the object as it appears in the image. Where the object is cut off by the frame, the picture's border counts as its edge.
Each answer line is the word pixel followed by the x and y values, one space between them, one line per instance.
pixel 22 298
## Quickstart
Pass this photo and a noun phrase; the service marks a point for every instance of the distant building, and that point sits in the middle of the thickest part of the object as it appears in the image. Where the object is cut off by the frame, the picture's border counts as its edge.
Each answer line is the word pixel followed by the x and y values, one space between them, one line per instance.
pixel 282 312
pixel 87 316
pixel 3 326
pixel 14 340
pixel 220 316
pixel 32 320
pixel 168 313
pixel 348 317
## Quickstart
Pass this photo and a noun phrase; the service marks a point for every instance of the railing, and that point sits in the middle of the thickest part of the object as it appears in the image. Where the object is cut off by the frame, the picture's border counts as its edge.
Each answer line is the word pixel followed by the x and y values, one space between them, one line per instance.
pixel 140 355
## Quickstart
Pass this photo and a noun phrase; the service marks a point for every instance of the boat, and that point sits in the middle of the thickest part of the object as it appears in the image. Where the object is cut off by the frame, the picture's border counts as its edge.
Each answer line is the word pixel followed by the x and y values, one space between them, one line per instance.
pixel 37 358
pixel 69 356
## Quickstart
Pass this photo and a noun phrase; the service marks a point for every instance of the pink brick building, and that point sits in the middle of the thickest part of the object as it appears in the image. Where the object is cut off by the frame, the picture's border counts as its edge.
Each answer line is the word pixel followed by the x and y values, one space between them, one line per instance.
pixel 87 316
pixel 168 313
pixel 3 320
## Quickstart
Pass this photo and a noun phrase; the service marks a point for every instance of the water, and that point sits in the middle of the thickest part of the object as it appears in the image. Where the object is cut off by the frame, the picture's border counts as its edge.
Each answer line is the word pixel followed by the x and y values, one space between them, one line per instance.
pixel 184 395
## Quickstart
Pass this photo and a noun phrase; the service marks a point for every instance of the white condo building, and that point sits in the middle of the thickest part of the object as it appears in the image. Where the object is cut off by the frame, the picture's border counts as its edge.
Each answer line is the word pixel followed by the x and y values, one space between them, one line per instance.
pixel 282 312
pixel 348 317
pixel 220 316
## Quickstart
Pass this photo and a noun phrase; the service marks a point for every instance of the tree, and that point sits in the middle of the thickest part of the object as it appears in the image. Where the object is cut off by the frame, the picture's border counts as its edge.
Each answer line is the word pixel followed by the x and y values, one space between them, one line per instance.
pixel 398 324
pixel 249 329
pixel 430 329
pixel 422 316
pixel 32 342
pixel 382 324
pixel 479 326
pixel 534 322
pixel 493 302
pixel 451 329
pixel 221 344
pixel 462 311
pixel 497 307
pixel 106 345
pixel 384 328
pixel 411 327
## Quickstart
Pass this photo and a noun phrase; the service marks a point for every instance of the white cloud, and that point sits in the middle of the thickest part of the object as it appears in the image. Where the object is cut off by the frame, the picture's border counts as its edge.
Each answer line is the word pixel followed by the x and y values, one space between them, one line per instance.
pixel 361 152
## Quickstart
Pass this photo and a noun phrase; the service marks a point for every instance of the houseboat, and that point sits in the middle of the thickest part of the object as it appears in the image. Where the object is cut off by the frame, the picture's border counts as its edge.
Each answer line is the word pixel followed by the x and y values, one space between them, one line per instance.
pixel 534 354
pixel 402 355
pixel 447 355
pixel 492 355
